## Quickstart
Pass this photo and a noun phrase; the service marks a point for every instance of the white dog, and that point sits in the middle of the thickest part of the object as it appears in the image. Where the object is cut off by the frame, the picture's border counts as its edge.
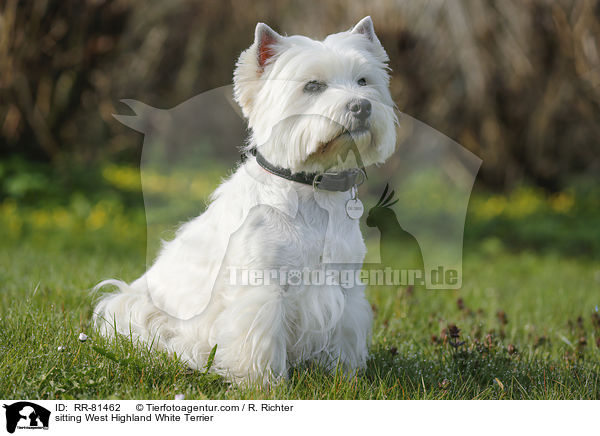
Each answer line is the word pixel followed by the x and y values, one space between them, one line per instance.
pixel 307 103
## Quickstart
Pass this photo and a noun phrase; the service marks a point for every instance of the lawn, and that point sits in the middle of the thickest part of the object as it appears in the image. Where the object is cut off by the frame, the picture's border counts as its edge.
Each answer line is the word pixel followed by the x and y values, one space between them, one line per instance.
pixel 525 324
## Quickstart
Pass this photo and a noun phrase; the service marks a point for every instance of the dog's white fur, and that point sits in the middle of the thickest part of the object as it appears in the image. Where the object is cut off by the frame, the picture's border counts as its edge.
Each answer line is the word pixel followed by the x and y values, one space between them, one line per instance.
pixel 257 220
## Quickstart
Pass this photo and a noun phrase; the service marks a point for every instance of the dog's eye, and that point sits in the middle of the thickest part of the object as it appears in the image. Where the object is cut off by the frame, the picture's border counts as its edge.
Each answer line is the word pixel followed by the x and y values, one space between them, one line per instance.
pixel 314 86
pixel 362 81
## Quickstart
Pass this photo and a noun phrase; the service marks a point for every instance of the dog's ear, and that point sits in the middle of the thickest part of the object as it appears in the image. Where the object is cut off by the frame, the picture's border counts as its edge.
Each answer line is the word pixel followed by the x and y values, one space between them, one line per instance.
pixel 265 40
pixel 251 66
pixel 365 27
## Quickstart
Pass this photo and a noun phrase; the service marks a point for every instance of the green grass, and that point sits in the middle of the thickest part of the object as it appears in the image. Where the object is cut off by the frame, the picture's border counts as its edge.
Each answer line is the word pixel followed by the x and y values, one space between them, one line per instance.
pixel 527 311
pixel 44 305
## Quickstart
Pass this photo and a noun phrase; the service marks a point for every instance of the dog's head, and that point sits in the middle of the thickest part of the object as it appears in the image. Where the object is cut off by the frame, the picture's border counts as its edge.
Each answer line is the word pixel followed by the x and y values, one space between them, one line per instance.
pixel 309 102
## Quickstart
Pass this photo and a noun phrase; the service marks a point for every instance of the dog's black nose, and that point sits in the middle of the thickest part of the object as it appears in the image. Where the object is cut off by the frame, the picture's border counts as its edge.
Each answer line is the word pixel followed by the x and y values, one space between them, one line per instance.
pixel 361 109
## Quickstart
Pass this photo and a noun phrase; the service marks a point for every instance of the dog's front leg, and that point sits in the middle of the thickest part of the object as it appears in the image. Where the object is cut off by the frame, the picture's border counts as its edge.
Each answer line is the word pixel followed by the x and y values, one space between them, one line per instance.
pixel 349 347
pixel 250 334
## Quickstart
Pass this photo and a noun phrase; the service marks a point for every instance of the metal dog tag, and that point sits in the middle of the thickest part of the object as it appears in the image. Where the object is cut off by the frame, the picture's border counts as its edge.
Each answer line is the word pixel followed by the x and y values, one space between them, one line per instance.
pixel 354 207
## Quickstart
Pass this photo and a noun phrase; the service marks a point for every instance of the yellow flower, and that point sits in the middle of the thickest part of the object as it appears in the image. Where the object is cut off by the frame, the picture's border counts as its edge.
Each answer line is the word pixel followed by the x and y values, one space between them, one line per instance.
pixel 10 217
pixel 122 177
pixel 562 202
pixel 97 217
pixel 491 208
pixel 40 219
pixel 62 218
pixel 524 202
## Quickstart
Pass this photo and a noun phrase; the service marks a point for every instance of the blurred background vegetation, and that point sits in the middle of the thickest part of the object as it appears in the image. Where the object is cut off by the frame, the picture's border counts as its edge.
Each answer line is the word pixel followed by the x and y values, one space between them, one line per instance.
pixel 515 82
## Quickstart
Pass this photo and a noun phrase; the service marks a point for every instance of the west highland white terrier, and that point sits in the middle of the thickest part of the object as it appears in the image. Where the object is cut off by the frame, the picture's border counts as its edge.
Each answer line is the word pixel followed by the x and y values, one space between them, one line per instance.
pixel 319 112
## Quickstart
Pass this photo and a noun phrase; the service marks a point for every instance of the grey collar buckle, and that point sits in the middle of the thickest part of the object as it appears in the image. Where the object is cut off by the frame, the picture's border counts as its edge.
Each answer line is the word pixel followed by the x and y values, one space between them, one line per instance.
pixel 339 181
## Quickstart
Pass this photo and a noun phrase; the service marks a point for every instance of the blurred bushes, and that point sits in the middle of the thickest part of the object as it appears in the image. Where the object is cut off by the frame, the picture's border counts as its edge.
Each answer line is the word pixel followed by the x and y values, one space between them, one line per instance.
pixel 531 219
pixel 516 82
pixel 54 101
pixel 564 222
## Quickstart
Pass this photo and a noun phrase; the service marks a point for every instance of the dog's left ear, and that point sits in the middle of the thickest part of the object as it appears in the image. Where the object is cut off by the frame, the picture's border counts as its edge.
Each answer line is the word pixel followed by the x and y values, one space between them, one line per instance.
pixel 365 27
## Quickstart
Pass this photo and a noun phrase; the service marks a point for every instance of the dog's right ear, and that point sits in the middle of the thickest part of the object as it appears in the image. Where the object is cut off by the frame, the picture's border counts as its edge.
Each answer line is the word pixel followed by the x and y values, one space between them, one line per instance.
pixel 265 40
pixel 251 66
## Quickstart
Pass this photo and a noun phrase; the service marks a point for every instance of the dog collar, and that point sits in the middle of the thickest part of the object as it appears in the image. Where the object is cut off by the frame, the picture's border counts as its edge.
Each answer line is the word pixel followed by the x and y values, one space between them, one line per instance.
pixel 340 181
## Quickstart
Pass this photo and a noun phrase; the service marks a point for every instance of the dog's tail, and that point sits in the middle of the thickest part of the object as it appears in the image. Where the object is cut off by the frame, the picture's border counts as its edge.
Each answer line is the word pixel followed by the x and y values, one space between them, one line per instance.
pixel 130 312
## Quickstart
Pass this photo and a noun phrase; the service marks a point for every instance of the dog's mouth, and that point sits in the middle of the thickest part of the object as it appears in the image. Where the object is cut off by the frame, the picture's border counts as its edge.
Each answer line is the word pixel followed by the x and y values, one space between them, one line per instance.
pixel 333 153
pixel 344 141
